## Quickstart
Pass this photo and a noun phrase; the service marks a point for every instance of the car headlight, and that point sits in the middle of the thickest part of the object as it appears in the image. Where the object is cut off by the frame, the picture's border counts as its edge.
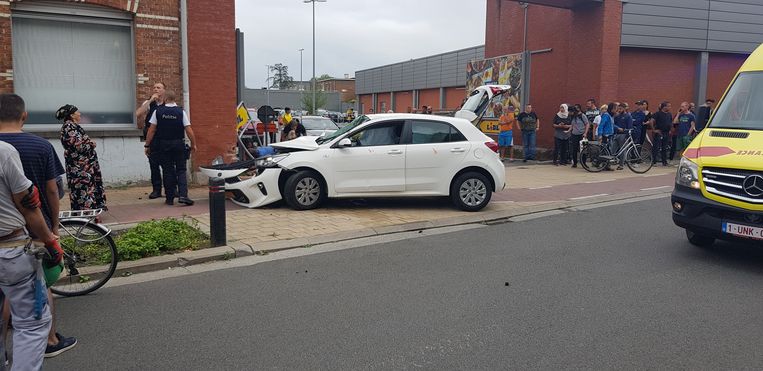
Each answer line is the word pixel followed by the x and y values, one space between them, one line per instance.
pixel 688 174
pixel 269 161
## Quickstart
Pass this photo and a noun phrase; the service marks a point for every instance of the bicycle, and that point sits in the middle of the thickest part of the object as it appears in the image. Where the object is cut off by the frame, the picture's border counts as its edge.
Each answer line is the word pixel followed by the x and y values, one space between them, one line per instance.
pixel 90 254
pixel 594 157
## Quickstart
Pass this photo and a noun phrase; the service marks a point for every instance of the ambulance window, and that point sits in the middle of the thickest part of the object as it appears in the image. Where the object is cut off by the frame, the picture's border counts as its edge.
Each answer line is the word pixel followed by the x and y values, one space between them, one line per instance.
pixel 741 108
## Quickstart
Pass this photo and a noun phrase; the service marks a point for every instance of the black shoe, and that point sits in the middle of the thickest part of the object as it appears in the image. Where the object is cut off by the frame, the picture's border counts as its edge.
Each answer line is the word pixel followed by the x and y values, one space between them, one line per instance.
pixel 64 344
pixel 525 160
pixel 574 165
pixel 185 201
pixel 169 201
pixel 154 195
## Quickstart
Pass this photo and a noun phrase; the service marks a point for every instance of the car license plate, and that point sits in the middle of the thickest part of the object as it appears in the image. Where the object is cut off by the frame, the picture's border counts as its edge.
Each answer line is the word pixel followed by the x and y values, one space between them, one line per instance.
pixel 743 230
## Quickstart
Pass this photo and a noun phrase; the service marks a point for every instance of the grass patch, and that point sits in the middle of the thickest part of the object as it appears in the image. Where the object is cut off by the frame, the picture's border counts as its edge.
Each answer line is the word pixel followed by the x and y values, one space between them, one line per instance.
pixel 159 237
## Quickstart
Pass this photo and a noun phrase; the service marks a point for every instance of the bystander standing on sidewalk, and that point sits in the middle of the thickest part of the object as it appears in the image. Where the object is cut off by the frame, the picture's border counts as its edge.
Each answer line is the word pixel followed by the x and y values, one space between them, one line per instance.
pixel 606 126
pixel 703 114
pixel 143 114
pixel 170 125
pixel 639 118
pixel 591 113
pixel 530 124
pixel 83 171
pixel 686 127
pixel 661 122
pixel 623 123
pixel 580 129
pixel 561 135
pixel 507 123
pixel 42 167
pixel 21 276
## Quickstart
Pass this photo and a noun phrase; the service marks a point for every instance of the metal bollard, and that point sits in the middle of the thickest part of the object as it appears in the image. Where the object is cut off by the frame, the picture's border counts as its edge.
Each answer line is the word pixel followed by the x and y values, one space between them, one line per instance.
pixel 217 212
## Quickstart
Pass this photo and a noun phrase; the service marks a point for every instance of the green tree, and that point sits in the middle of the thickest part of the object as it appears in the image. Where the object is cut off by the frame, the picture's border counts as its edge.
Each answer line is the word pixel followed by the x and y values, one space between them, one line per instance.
pixel 281 78
pixel 307 101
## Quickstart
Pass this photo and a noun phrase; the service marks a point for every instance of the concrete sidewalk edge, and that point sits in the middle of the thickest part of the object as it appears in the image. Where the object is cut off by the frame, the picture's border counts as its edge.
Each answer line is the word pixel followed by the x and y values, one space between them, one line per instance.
pixel 236 249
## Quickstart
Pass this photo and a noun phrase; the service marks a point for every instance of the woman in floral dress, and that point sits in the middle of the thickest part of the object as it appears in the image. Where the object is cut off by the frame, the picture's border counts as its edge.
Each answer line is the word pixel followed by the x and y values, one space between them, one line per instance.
pixel 83 172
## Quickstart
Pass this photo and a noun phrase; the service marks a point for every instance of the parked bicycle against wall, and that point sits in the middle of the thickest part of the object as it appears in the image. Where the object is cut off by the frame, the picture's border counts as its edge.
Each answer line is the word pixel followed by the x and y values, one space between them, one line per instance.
pixel 594 156
pixel 90 254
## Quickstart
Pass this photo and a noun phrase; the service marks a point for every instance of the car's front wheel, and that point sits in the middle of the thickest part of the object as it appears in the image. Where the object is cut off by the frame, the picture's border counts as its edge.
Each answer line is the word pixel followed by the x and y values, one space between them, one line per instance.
pixel 470 191
pixel 304 190
pixel 698 239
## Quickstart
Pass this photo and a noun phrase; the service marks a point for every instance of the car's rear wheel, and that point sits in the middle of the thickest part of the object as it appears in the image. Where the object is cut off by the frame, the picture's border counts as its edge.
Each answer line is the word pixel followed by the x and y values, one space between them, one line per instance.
pixel 698 239
pixel 470 191
pixel 304 190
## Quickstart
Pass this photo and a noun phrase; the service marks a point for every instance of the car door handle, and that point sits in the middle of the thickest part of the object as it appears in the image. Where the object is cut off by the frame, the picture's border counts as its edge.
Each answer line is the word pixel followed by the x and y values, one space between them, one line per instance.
pixel 457 150
pixel 395 152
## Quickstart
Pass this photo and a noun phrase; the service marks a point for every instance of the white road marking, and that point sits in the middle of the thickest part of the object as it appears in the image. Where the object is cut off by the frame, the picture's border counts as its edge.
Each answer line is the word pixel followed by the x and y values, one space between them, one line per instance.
pixel 544 187
pixel 600 181
pixel 587 197
pixel 655 188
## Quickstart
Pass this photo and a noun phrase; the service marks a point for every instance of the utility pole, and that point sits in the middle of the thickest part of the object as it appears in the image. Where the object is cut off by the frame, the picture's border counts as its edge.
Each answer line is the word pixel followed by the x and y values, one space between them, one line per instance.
pixel 301 83
pixel 268 83
pixel 315 109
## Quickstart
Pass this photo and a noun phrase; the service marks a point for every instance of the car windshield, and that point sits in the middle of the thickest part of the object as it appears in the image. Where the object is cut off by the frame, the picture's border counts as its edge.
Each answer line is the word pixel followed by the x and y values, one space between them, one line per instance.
pixel 355 123
pixel 318 123
pixel 741 108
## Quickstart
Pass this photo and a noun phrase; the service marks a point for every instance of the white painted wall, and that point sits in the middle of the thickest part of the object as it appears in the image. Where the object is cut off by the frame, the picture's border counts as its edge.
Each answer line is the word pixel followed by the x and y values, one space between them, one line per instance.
pixel 122 159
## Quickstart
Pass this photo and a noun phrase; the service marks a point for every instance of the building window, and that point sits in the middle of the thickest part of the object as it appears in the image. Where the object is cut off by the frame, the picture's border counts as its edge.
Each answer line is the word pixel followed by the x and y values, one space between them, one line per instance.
pixel 68 59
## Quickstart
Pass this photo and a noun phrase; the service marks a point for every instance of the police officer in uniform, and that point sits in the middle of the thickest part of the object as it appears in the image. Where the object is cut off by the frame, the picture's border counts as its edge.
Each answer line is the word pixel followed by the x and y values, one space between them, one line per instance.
pixel 148 108
pixel 169 125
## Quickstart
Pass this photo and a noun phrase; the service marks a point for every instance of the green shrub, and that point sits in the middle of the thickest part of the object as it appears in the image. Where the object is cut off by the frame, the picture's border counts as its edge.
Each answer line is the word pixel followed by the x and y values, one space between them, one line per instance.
pixel 158 237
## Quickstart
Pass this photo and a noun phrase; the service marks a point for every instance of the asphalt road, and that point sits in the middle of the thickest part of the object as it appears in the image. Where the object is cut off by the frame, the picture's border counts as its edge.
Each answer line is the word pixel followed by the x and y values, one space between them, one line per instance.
pixel 567 291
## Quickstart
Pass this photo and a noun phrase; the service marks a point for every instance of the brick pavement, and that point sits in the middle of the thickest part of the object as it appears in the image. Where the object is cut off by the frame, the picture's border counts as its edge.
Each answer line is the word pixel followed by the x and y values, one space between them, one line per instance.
pixel 528 185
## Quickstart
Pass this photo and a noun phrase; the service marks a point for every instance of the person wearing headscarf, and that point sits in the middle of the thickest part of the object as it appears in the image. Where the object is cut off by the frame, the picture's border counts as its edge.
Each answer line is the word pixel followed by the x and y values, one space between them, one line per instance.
pixel 561 136
pixel 83 172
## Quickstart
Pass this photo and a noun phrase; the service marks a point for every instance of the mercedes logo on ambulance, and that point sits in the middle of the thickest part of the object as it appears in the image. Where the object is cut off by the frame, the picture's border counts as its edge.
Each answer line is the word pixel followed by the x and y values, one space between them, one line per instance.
pixel 753 185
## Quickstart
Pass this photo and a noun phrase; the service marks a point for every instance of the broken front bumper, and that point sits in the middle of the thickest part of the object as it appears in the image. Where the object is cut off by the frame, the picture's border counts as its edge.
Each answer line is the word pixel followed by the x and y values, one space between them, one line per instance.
pixel 257 191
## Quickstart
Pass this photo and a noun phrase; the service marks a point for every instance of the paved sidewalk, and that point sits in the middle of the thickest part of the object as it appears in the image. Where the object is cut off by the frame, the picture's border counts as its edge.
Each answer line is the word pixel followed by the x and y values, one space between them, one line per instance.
pixel 531 188
pixel 528 185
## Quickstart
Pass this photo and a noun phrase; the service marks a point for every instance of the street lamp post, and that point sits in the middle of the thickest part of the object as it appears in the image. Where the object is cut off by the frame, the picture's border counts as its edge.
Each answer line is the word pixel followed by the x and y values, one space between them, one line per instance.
pixel 315 109
pixel 301 84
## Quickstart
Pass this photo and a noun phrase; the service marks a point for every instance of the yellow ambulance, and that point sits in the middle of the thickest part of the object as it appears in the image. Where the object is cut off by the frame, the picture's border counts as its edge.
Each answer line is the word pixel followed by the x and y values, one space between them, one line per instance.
pixel 719 183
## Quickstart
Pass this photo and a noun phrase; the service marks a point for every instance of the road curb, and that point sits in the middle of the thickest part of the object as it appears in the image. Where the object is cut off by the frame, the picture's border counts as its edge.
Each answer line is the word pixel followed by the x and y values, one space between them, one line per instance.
pixel 236 249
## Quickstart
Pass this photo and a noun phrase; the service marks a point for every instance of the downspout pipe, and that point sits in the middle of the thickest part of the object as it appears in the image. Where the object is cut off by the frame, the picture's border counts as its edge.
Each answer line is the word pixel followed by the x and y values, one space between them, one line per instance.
pixel 184 54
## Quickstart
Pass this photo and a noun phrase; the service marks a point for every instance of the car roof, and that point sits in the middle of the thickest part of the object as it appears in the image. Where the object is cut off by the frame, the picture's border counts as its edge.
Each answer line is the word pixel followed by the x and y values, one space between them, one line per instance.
pixel 417 116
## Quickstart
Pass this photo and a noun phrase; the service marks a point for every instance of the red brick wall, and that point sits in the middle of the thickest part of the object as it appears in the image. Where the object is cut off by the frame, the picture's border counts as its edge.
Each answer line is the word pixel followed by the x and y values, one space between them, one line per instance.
pixel 656 75
pixel 453 98
pixel 6 57
pixel 721 71
pixel 212 75
pixel 403 101
pixel 366 103
pixel 429 97
pixel 382 102
pixel 212 57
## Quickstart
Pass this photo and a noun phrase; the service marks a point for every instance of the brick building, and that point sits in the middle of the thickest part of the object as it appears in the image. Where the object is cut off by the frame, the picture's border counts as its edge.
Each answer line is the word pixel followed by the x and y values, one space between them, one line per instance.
pixel 345 86
pixel 675 50
pixel 104 55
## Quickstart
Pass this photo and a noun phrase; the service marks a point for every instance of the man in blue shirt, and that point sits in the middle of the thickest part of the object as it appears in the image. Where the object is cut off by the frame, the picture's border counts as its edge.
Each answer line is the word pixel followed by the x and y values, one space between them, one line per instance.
pixel 639 118
pixel 622 123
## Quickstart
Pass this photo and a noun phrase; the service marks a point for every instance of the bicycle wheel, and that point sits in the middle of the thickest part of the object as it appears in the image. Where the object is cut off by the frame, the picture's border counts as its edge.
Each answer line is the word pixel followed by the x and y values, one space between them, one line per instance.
pixel 90 258
pixel 639 159
pixel 589 159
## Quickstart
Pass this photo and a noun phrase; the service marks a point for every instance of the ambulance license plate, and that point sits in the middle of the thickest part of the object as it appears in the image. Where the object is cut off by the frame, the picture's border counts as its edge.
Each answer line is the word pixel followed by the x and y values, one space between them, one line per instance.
pixel 743 230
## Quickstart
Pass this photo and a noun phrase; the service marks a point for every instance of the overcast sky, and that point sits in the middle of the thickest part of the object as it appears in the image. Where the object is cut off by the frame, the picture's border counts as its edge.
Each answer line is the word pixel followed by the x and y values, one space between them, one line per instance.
pixel 353 35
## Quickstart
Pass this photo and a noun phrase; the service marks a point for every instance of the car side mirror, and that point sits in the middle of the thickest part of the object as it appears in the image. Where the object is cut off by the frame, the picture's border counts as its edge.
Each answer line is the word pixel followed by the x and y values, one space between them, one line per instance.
pixel 344 143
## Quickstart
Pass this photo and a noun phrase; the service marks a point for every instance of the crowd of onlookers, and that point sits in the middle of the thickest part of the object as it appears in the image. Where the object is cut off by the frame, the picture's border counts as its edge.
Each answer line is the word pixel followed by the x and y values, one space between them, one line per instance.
pixel 610 124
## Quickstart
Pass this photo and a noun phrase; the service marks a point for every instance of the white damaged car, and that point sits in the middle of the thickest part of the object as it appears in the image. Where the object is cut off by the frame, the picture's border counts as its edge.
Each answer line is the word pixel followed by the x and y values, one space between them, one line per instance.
pixel 384 155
